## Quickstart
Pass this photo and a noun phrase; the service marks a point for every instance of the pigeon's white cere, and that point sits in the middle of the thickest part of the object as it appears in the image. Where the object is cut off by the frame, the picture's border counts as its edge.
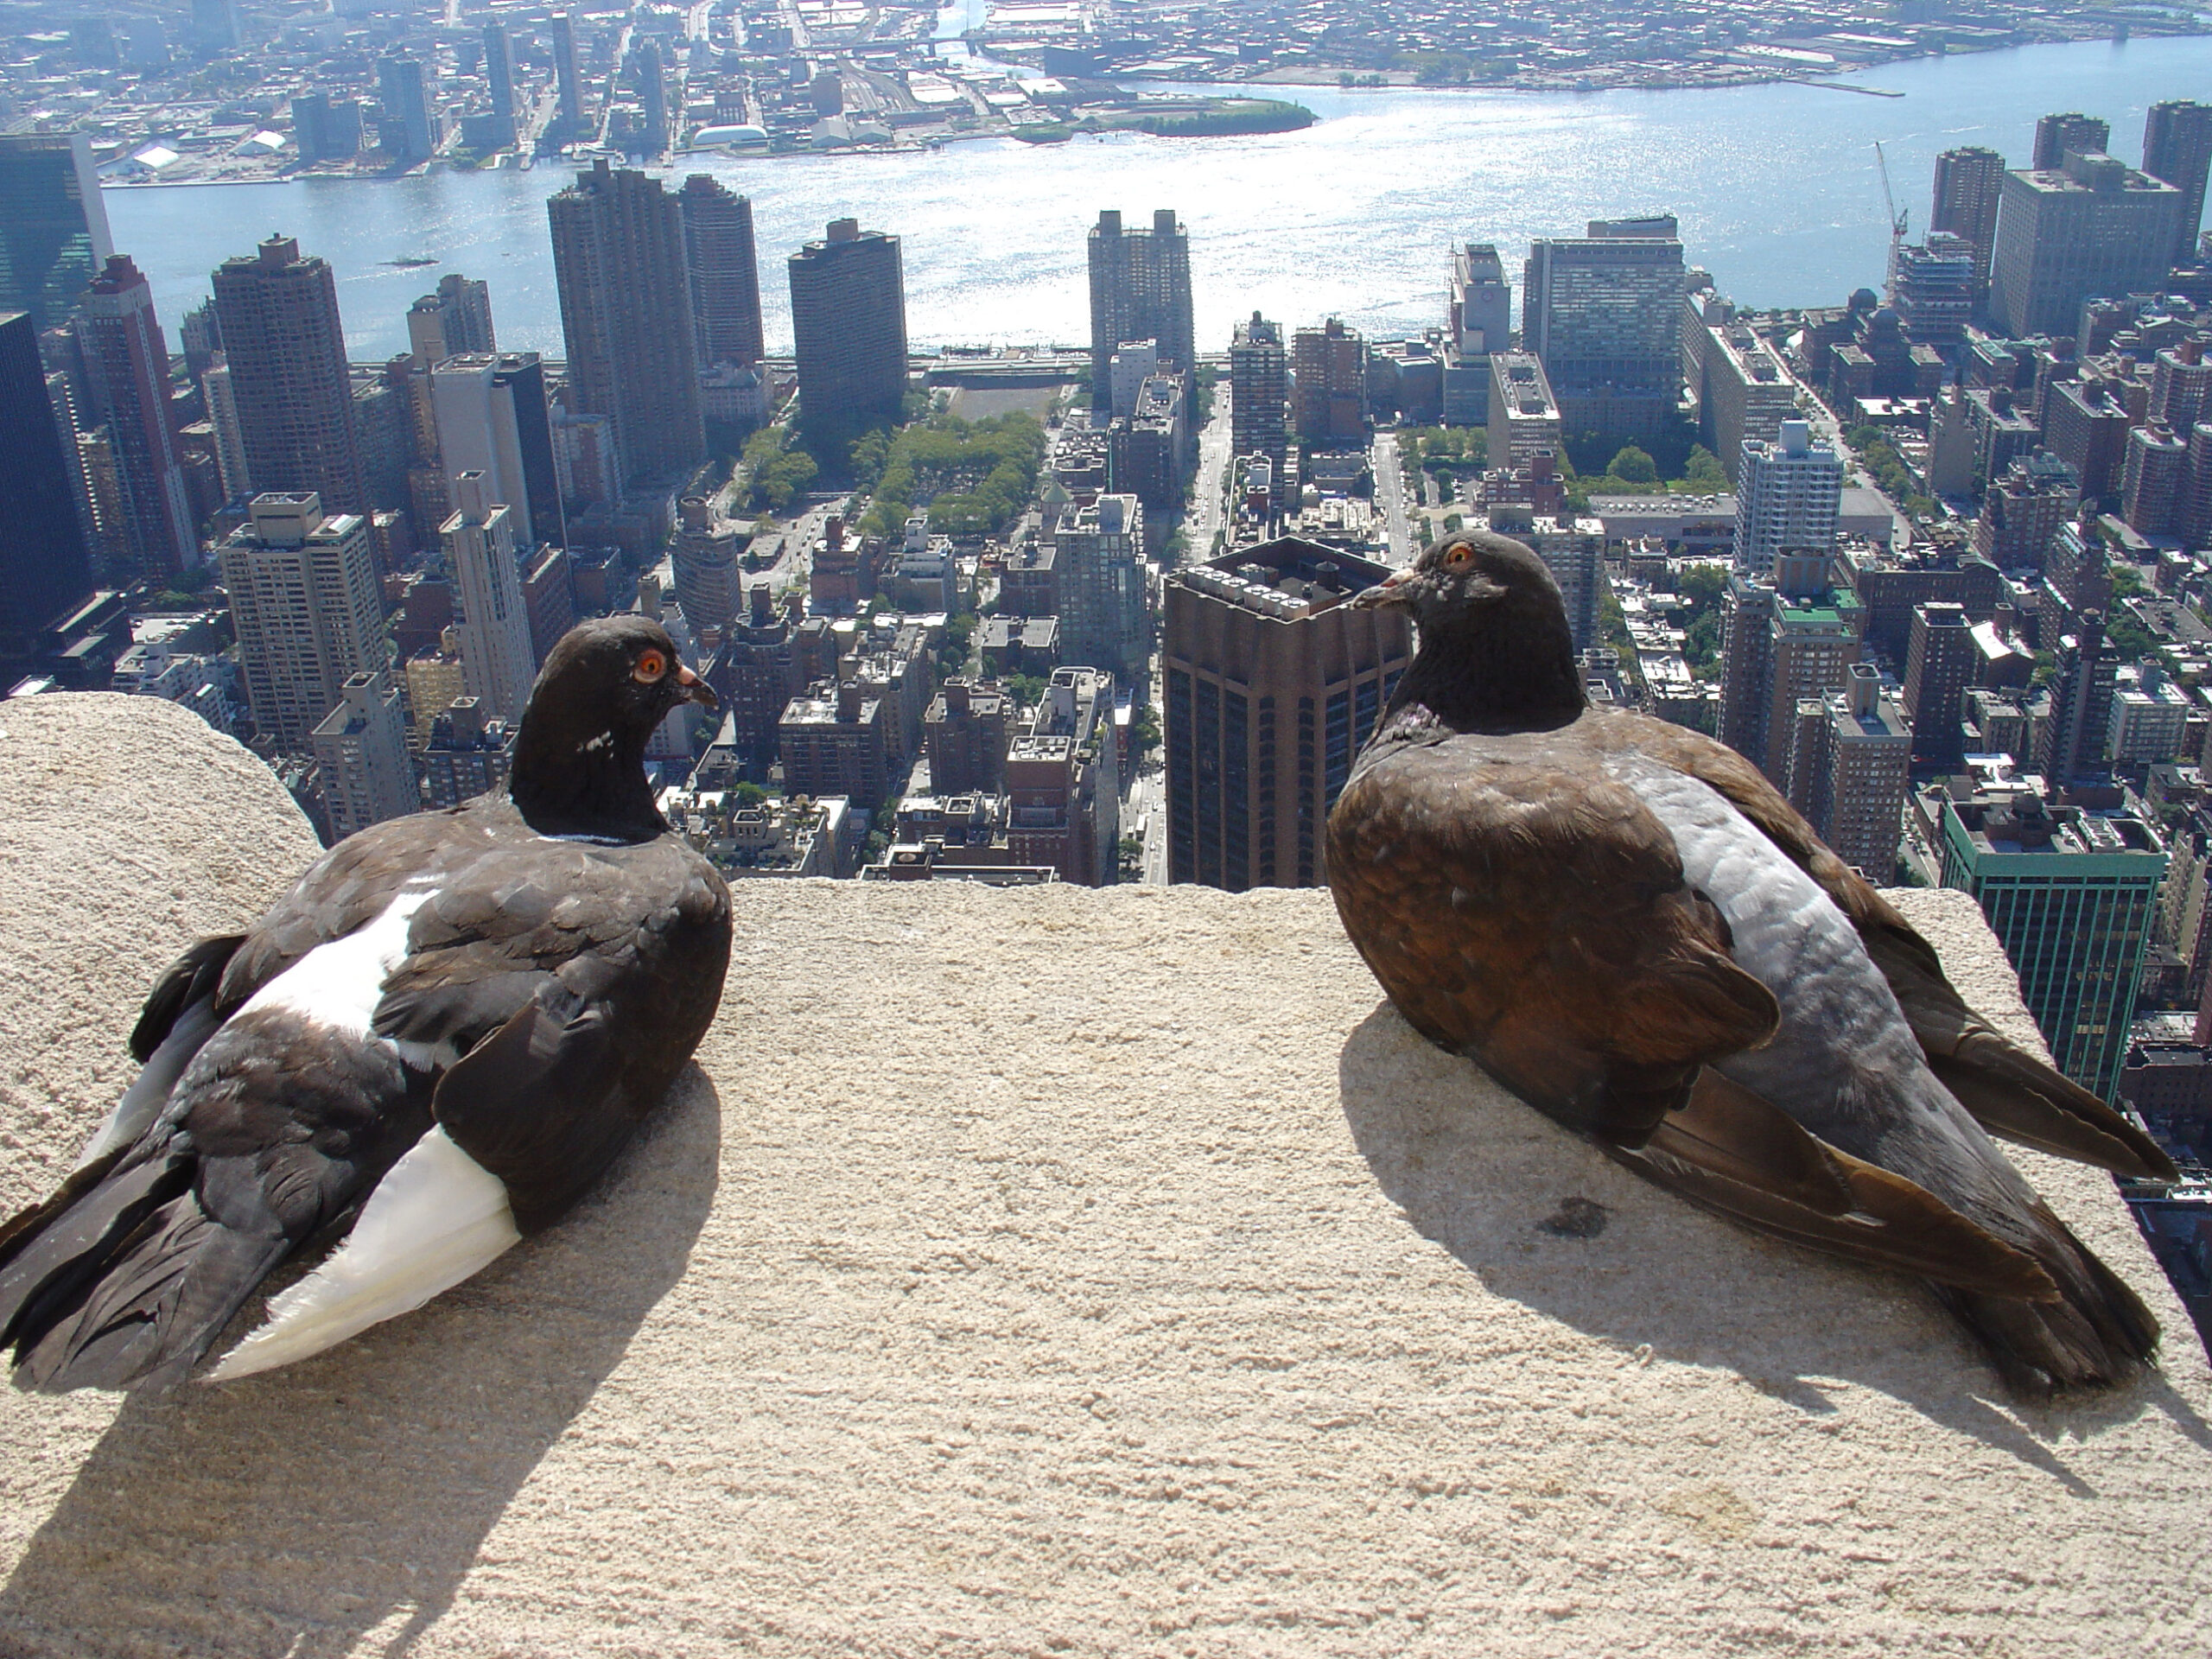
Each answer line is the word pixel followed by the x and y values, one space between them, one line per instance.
pixel 435 1218
pixel 338 985
pixel 143 1101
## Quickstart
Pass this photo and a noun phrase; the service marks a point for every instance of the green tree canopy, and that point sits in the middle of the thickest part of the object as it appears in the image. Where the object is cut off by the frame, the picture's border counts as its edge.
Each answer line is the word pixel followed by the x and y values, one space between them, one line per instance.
pixel 1633 466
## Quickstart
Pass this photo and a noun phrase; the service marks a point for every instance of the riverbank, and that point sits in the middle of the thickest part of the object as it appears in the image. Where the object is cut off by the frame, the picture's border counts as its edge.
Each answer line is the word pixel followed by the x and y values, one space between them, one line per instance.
pixel 1354 216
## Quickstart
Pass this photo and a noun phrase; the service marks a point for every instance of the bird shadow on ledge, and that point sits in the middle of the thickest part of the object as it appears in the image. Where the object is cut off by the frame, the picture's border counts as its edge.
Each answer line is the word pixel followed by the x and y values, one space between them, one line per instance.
pixel 296 1512
pixel 1545 1219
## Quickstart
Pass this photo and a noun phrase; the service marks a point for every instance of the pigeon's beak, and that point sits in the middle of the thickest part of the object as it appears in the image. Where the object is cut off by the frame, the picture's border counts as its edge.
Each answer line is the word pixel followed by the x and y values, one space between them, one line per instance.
pixel 1390 594
pixel 695 689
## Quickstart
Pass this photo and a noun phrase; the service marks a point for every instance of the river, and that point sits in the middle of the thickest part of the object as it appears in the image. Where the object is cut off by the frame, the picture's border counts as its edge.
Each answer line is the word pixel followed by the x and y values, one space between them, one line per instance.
pixel 1354 216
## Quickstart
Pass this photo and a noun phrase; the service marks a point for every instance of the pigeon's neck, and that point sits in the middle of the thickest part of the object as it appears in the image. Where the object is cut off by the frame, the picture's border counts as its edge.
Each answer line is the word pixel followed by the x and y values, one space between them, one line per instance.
pixel 1509 674
pixel 571 780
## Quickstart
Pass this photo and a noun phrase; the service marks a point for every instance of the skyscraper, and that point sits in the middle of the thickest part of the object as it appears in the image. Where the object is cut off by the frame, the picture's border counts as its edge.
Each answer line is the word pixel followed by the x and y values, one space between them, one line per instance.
pixel 1967 180
pixel 1273 685
pixel 1329 392
pixel 215 26
pixel 1745 390
pixel 409 131
pixel 1939 665
pixel 230 437
pixel 360 752
pixel 493 419
pixel 2073 744
pixel 1482 302
pixel 499 73
pixel 1863 764
pixel 725 276
pixel 626 313
pixel 127 380
pixel 325 130
pixel 848 327
pixel 456 319
pixel 2178 148
pixel 651 82
pixel 497 664
pixel 1789 494
pixel 53 228
pixel 1259 393
pixel 2070 892
pixel 1784 638
pixel 1139 290
pixel 286 348
pixel 46 569
pixel 303 599
pixel 2057 134
pixel 561 36
pixel 1605 315
pixel 1524 418
pixel 1103 619
pixel 2091 227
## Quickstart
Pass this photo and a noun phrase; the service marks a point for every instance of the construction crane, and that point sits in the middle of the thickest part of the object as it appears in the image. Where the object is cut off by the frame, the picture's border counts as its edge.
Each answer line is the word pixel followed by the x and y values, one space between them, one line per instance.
pixel 1897 224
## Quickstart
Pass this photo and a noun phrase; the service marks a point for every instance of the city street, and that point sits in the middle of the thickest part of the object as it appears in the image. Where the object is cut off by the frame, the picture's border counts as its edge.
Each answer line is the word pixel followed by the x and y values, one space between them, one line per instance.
pixel 1390 495
pixel 1203 519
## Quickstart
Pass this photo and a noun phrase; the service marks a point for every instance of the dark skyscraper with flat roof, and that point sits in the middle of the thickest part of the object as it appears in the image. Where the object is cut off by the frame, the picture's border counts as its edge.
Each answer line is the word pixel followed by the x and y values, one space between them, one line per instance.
pixel 285 345
pixel 1259 386
pixel 499 72
pixel 409 131
pixel 2068 234
pixel 1273 685
pixel 46 570
pixel 2178 148
pixel 1604 314
pixel 52 229
pixel 626 313
pixel 127 380
pixel 1967 181
pixel 2056 134
pixel 725 275
pixel 561 36
pixel 1139 290
pixel 849 325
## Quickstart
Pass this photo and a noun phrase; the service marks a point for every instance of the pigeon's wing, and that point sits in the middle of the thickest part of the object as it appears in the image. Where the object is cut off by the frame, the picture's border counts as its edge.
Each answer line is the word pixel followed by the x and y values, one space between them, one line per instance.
pixel 191 979
pixel 2010 1091
pixel 341 892
pixel 1532 915
pixel 571 981
pixel 1729 1151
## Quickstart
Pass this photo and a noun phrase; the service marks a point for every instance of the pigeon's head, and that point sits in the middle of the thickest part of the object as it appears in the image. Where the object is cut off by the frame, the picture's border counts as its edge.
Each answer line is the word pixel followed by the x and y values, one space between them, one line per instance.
pixel 580 757
pixel 1475 578
pixel 617 674
pixel 1496 650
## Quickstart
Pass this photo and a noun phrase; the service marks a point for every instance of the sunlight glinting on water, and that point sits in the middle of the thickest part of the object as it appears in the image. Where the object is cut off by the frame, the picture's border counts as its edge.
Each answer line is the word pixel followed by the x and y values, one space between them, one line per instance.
pixel 1356 216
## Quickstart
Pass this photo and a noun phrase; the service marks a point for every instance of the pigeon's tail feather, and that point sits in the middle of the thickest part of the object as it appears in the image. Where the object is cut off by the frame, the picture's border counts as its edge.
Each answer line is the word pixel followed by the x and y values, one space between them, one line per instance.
pixel 157 1309
pixel 2096 1334
pixel 127 1286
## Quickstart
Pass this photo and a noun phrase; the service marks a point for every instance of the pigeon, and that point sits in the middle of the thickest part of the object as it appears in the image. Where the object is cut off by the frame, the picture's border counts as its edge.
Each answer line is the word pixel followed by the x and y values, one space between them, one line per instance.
pixel 428 1050
pixel 1622 923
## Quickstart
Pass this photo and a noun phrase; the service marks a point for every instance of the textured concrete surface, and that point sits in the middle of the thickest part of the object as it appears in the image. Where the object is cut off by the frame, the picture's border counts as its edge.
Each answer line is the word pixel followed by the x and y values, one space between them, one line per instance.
pixel 1048 1272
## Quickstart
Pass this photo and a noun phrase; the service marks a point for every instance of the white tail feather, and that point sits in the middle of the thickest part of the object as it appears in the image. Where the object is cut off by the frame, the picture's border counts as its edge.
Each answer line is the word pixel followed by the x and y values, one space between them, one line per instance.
pixel 436 1218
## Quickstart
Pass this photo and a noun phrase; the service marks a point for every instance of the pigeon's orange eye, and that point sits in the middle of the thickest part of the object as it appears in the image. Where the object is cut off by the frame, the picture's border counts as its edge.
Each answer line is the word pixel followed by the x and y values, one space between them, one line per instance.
pixel 650 668
pixel 1459 557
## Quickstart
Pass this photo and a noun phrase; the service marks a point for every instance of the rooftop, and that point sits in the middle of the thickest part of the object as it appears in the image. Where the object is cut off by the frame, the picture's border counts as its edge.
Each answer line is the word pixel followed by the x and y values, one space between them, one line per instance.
pixel 1124 1279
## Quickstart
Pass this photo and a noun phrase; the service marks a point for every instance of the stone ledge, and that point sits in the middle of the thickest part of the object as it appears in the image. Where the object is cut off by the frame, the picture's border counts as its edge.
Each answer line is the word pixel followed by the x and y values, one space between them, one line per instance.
pixel 1048 1271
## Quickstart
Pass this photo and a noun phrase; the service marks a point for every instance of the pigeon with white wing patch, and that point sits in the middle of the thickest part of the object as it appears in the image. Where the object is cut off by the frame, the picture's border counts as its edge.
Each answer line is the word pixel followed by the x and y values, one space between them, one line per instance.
pixel 428 1050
